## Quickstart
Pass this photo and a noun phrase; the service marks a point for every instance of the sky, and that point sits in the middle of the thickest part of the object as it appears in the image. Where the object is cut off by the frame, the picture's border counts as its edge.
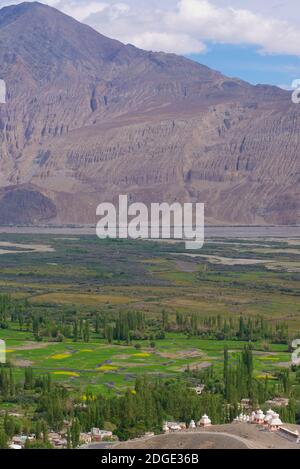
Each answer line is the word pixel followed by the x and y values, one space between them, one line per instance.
pixel 256 40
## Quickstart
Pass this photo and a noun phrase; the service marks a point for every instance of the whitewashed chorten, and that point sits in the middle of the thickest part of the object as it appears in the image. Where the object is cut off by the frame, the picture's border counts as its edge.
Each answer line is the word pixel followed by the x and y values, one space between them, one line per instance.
pixel 205 421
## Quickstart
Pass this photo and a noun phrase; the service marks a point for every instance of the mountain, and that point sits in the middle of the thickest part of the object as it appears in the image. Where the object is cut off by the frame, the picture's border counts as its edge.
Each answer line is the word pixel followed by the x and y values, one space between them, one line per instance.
pixel 88 118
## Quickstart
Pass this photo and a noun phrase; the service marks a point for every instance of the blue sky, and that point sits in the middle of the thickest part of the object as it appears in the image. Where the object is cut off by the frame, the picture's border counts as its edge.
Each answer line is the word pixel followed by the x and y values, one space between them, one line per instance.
pixel 256 40
pixel 246 62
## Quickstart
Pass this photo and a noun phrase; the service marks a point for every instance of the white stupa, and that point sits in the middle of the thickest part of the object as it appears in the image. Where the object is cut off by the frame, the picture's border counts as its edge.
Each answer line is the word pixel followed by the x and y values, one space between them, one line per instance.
pixel 275 423
pixel 166 428
pixel 192 425
pixel 269 416
pixel 205 421
pixel 259 417
pixel 241 418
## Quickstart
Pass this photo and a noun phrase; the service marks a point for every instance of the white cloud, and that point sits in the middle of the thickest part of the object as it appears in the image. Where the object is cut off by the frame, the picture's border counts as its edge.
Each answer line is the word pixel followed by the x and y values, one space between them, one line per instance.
pixel 230 25
pixel 184 26
pixel 83 11
pixel 285 87
pixel 168 42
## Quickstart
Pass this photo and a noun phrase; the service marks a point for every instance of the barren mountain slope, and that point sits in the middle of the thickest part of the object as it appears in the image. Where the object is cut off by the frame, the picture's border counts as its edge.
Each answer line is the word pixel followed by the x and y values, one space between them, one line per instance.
pixel 88 118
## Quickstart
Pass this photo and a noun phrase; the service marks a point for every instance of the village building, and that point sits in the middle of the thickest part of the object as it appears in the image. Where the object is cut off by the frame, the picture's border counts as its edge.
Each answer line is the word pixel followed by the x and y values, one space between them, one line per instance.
pixel 175 427
pixel 278 402
pixel 199 389
pixel 172 427
pixel 14 446
pixel 246 404
pixel 20 440
pixel 85 438
pixel 100 435
pixel 15 414
pixel 57 440
pixel 60 443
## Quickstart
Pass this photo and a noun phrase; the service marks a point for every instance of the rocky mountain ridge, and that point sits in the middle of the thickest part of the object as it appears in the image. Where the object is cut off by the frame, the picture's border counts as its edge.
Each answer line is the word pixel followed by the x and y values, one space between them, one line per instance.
pixel 88 118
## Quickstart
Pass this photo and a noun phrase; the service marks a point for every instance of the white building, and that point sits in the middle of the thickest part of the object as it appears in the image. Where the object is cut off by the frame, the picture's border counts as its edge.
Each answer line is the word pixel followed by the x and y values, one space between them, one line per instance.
pixel 199 389
pixel 171 427
pixel 14 446
pixel 99 435
pixel 20 440
pixel 85 438
pixel 279 402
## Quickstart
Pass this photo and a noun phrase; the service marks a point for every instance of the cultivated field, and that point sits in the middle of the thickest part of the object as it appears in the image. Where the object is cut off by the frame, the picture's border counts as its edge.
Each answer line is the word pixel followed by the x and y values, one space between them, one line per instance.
pixel 58 275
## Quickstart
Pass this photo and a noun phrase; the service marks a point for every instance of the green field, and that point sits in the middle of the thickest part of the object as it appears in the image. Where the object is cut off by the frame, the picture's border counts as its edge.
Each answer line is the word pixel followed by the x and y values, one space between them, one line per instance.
pixel 113 367
pixel 84 275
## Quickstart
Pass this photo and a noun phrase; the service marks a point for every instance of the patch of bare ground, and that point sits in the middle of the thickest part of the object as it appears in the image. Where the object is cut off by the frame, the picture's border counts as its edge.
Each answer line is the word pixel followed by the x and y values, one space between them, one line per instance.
pixel 225 260
pixel 34 345
pixel 181 354
pixel 131 365
pixel 22 363
pixel 185 440
pixel 122 357
pixel 283 364
pixel 23 248
pixel 196 366
pixel 186 266
pixel 258 353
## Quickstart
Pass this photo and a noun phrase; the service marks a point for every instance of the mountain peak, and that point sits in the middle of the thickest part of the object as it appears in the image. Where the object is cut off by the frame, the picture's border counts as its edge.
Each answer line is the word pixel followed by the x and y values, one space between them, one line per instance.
pixel 48 41
pixel 52 43
pixel 87 117
pixel 11 13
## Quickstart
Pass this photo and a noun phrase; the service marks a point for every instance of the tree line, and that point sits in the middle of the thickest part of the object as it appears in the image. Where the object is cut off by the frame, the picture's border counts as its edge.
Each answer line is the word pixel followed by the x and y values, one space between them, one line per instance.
pixel 144 407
